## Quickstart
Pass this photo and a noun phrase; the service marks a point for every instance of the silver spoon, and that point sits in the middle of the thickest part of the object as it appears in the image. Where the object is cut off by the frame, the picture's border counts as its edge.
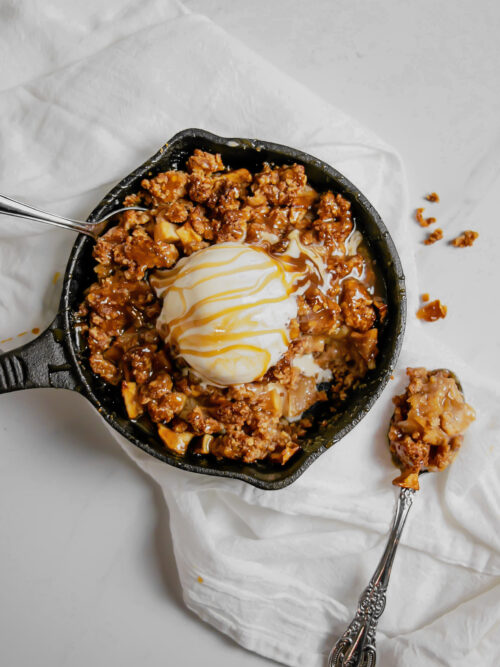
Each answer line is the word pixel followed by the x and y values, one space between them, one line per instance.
pixel 356 647
pixel 93 229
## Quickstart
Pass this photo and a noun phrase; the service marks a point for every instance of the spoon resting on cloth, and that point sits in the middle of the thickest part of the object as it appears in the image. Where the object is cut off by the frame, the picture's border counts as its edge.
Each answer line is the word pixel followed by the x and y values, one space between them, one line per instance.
pixel 425 435
pixel 92 229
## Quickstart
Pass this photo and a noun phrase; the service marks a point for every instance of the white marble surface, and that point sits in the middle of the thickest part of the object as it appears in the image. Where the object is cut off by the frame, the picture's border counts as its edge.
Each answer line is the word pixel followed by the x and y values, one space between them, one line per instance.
pixel 86 574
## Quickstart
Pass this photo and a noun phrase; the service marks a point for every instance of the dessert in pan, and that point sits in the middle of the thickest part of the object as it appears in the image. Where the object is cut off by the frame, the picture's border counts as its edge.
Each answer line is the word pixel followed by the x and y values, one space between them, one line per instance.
pixel 237 301
pixel 239 318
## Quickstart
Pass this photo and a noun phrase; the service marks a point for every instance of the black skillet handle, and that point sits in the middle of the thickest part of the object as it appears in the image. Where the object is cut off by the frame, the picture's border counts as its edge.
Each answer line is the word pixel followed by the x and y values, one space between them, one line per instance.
pixel 43 362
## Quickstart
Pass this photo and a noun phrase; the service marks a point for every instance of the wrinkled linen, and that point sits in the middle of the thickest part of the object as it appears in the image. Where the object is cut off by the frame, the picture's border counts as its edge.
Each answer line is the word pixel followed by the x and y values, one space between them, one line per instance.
pixel 96 89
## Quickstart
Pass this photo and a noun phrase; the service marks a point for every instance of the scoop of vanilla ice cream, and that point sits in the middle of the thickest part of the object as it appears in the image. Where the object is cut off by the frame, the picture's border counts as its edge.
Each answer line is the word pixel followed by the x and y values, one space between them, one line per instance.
pixel 226 311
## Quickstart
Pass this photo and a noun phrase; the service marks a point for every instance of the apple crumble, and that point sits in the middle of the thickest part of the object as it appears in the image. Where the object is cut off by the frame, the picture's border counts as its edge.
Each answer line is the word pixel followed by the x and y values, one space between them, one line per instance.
pixel 303 326
pixel 427 427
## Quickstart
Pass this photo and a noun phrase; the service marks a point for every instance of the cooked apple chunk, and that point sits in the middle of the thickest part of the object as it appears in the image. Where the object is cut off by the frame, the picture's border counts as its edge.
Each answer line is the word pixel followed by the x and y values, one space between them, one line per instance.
pixel 131 399
pixel 165 231
pixel 176 442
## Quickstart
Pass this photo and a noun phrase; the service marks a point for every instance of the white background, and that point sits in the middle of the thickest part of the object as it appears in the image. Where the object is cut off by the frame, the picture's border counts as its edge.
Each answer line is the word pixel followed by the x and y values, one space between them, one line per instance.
pixel 87 575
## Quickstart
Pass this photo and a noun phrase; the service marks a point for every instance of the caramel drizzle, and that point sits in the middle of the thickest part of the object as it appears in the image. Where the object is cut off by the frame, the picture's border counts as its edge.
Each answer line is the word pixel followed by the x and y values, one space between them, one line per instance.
pixel 292 272
pixel 228 348
pixel 227 295
pixel 177 325
pixel 180 325
pixel 198 340
pixel 166 278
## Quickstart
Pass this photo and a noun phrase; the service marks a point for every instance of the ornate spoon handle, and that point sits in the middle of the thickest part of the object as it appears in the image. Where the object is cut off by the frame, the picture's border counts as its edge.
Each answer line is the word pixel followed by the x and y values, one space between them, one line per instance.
pixel 356 647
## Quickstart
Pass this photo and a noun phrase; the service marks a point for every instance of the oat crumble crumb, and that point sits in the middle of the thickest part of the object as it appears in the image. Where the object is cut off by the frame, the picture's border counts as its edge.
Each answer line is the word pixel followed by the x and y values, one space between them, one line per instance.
pixel 465 240
pixel 434 236
pixel 423 222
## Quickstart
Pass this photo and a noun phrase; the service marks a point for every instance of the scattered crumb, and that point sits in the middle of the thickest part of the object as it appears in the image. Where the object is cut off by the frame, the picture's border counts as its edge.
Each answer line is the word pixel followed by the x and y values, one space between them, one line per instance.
pixel 466 239
pixel 5 340
pixel 423 222
pixel 392 377
pixel 433 311
pixel 35 331
pixel 200 579
pixel 434 236
pixel 56 277
pixel 433 196
pixel 23 333
pixel 425 297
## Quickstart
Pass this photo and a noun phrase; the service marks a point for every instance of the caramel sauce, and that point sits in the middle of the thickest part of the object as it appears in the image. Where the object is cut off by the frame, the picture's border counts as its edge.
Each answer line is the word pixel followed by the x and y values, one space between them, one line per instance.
pixel 178 326
pixel 368 276
pixel 296 273
pixel 163 279
pixel 301 269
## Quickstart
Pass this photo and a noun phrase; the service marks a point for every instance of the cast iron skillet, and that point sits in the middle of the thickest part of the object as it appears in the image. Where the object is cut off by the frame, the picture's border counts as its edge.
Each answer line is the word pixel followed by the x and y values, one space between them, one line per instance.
pixel 58 357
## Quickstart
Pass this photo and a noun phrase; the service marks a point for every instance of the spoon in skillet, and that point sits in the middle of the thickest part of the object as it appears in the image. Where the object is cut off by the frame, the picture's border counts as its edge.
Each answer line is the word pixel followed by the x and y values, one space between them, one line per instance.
pixel 425 435
pixel 93 229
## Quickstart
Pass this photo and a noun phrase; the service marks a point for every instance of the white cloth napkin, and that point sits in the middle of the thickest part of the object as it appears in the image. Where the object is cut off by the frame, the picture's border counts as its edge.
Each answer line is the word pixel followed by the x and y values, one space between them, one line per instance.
pixel 94 92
